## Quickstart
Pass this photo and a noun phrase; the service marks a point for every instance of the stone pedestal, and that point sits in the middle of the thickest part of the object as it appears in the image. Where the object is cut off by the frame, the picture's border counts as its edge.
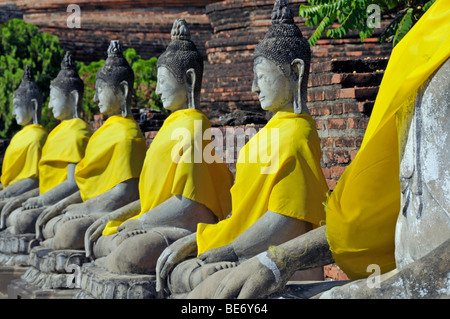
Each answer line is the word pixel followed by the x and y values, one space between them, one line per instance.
pixel 20 289
pixel 8 274
pixel 98 283
pixel 14 255
pixel 52 274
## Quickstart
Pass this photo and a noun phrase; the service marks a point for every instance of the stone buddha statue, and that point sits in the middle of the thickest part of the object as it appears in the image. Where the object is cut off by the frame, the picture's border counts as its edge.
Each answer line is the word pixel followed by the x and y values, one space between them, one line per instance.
pixel 407 137
pixel 20 165
pixel 177 190
pixel 63 149
pixel 107 176
pixel 279 187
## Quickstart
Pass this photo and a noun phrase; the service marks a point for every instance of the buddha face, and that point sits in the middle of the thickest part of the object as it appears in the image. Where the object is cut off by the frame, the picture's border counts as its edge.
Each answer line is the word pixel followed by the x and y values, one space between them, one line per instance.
pixel 173 93
pixel 274 89
pixel 23 110
pixel 110 98
pixel 61 105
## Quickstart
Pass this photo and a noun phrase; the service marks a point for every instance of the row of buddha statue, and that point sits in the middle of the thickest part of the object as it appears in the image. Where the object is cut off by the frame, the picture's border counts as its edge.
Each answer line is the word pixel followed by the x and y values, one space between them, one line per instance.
pixel 201 231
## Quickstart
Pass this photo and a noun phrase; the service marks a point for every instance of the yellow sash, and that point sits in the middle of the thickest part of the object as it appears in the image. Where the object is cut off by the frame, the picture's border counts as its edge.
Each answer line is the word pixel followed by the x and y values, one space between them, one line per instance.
pixel 165 175
pixel 23 154
pixel 65 144
pixel 277 170
pixel 363 209
pixel 114 154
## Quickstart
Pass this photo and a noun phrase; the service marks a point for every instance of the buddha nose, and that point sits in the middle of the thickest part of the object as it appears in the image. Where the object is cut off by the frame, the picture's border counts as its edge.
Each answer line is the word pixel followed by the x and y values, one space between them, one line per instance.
pixel 95 97
pixel 255 87
pixel 158 88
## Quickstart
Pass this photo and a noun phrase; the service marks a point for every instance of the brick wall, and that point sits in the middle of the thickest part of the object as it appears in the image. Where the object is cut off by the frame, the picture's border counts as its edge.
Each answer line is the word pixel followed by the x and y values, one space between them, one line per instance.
pixel 8 11
pixel 143 24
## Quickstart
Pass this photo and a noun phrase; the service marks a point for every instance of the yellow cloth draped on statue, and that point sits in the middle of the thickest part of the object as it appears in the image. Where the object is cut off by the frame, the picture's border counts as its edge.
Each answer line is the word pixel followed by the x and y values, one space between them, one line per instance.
pixel 277 170
pixel 22 156
pixel 363 209
pixel 178 162
pixel 114 154
pixel 65 144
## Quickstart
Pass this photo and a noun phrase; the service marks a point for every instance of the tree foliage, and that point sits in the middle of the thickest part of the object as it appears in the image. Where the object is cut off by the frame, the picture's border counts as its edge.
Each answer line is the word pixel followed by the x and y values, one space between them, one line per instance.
pixel 353 15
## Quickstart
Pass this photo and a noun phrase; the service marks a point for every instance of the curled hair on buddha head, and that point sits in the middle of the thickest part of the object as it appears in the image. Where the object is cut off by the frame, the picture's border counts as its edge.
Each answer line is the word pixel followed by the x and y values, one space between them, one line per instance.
pixel 116 69
pixel 284 42
pixel 68 80
pixel 181 55
pixel 29 90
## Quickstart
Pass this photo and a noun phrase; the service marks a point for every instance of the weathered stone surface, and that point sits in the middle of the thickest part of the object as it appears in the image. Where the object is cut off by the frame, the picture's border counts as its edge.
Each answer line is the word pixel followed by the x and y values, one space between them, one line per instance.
pixel 98 283
pixel 428 277
pixel 15 244
pixel 55 261
pixel 19 289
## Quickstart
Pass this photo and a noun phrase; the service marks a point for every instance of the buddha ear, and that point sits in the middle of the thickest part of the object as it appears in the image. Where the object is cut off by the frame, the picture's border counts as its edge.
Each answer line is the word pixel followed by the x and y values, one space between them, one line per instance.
pixel 190 83
pixel 76 97
pixel 298 67
pixel 124 106
pixel 34 106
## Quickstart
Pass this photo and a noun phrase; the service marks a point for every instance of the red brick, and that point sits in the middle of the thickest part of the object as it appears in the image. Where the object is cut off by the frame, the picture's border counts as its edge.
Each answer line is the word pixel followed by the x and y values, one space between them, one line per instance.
pixel 353 154
pixel 344 142
pixel 336 171
pixel 339 157
pixel 339 124
pixel 334 272
pixel 331 183
pixel 326 142
pixel 352 122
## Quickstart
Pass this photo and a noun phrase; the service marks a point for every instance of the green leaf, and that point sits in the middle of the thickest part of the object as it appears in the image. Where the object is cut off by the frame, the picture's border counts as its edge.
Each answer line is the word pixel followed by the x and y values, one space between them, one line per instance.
pixel 405 25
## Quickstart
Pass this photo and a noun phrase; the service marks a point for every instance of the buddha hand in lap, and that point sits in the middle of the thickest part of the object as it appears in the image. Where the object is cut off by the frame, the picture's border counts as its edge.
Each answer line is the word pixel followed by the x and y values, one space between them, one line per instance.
pixel 107 176
pixel 176 190
pixel 279 187
pixel 64 147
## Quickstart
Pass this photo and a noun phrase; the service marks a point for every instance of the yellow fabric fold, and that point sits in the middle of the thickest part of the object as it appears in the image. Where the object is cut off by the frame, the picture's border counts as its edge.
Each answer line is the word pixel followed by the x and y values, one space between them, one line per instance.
pixel 65 144
pixel 114 154
pixel 277 170
pixel 362 210
pixel 177 163
pixel 22 156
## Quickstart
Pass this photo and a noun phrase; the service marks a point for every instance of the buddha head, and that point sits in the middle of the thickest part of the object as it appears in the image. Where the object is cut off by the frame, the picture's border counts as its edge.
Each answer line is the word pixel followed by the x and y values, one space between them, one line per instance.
pixel 281 63
pixel 114 83
pixel 66 91
pixel 27 100
pixel 180 70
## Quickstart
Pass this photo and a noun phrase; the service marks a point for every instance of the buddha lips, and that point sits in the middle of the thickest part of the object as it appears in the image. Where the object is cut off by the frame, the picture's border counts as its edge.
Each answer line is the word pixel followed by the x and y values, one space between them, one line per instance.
pixel 207 145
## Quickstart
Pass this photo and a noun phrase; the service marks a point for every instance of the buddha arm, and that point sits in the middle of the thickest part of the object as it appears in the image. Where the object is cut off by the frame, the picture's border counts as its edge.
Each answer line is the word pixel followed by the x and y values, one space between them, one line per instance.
pixel 57 193
pixel 307 251
pixel 126 212
pixel 118 196
pixel 178 211
pixel 19 187
pixel 270 229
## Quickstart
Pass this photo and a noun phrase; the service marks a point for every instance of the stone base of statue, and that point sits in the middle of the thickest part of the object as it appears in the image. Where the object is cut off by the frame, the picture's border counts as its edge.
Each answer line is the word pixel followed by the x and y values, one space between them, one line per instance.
pixel 14 249
pixel 8 274
pixel 99 283
pixel 306 289
pixel 14 255
pixel 51 274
